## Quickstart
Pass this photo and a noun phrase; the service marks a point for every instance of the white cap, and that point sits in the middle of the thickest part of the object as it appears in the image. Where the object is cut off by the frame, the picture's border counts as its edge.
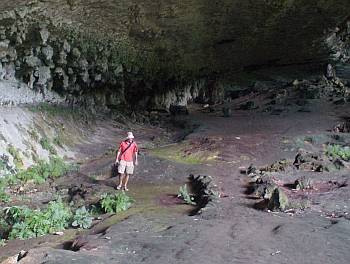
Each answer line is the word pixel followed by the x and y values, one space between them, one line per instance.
pixel 130 135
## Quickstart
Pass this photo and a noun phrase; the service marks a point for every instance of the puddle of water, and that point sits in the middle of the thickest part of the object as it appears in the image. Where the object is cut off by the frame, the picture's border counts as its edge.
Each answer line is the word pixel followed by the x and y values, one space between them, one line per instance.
pixel 150 200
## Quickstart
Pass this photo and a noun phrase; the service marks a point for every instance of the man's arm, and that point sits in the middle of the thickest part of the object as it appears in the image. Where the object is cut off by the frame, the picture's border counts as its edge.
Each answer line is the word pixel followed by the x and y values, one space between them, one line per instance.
pixel 117 158
pixel 136 151
pixel 136 160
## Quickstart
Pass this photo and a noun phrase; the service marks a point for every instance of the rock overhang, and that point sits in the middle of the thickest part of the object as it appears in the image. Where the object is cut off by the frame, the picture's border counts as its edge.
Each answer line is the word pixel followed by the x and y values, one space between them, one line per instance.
pixel 166 44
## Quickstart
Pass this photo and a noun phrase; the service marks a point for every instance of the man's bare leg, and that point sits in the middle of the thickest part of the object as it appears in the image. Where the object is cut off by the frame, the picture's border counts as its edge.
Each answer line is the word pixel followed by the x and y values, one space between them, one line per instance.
pixel 121 180
pixel 126 180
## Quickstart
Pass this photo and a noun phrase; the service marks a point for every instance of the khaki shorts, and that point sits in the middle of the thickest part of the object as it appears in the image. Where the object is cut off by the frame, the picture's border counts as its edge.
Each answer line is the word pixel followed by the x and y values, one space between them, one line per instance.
pixel 126 167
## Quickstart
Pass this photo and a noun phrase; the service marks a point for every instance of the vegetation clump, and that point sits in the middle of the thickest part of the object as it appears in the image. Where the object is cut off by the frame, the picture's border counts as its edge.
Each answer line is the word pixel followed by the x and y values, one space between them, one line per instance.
pixel 26 223
pixel 4 197
pixel 185 195
pixel 337 151
pixel 21 222
pixel 17 159
pixel 2 242
pixel 82 218
pixel 46 144
pixel 55 168
pixel 115 203
pixel 5 177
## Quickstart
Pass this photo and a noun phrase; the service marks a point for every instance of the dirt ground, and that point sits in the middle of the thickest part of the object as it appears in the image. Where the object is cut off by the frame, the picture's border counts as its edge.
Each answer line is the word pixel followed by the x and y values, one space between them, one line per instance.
pixel 232 231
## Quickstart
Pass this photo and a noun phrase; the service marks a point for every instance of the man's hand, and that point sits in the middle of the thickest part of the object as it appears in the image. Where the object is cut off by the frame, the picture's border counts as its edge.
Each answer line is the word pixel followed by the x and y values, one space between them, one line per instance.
pixel 136 162
pixel 116 162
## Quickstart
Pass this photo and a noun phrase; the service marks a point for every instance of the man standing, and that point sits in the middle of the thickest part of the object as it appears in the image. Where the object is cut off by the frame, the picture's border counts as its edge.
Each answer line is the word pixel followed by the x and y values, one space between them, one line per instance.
pixel 126 158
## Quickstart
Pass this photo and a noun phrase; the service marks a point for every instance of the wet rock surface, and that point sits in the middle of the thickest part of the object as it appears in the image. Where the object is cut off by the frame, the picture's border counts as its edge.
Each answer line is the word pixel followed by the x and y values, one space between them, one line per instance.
pixel 289 199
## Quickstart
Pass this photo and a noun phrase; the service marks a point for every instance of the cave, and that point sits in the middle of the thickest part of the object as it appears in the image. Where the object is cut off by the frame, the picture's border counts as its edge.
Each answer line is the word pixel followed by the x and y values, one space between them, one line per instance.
pixel 230 119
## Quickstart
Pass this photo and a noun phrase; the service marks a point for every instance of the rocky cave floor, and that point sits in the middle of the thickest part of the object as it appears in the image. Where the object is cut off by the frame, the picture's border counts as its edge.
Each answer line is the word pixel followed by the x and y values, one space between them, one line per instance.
pixel 261 147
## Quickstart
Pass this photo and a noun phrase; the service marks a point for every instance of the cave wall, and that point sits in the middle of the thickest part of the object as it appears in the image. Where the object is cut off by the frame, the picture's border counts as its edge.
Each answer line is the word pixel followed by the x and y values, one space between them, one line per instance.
pixel 153 53
pixel 339 43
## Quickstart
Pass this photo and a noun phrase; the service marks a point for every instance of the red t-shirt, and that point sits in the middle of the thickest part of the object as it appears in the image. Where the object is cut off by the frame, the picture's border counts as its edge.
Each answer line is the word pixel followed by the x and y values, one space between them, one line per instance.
pixel 129 154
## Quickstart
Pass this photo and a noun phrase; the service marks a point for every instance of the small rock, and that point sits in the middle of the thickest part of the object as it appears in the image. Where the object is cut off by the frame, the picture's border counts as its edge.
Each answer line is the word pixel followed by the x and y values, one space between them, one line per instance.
pixel 295 83
pixel 22 254
pixel 226 111
pixel 303 183
pixel 278 201
pixel 275 253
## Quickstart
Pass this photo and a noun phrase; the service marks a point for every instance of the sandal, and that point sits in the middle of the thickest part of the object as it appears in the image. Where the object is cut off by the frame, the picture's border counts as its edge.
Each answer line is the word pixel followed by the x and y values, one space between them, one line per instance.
pixel 119 187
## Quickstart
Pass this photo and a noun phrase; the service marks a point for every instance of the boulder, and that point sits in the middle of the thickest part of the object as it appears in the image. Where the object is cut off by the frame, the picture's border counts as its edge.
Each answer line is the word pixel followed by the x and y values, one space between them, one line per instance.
pixel 279 201
pixel 265 189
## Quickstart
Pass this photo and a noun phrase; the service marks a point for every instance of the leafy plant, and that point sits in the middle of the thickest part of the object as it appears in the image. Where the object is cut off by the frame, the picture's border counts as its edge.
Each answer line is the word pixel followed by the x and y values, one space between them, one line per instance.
pixel 115 203
pixel 15 214
pixel 96 210
pixel 4 197
pixel 2 242
pixel 82 218
pixel 4 228
pixel 21 231
pixel 55 168
pixel 337 151
pixel 27 223
pixel 11 179
pixel 59 215
pixel 184 195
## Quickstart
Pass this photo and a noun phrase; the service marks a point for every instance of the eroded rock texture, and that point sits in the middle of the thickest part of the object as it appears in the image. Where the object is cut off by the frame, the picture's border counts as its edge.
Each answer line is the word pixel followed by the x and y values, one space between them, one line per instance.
pixel 155 53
